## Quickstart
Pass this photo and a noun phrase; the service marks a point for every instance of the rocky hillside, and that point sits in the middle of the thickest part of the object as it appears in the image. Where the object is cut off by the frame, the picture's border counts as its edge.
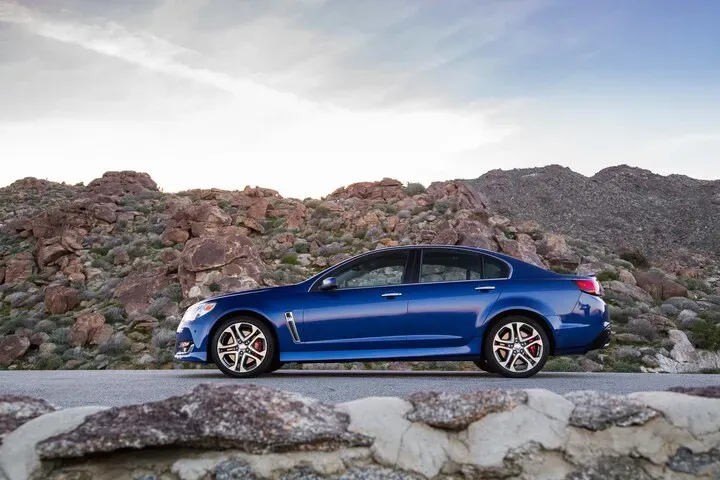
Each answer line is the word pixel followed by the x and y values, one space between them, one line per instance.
pixel 97 276
pixel 670 218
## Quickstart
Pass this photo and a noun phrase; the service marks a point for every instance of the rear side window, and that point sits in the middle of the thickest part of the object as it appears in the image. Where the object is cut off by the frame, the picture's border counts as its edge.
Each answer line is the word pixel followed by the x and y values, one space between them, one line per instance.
pixel 495 268
pixel 450 266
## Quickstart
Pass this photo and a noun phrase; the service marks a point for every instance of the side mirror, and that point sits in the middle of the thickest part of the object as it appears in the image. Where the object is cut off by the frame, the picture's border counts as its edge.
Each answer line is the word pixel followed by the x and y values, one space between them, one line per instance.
pixel 330 283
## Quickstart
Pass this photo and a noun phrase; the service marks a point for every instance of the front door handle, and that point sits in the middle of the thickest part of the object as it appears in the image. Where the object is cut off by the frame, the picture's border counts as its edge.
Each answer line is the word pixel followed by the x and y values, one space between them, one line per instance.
pixel 391 295
pixel 485 288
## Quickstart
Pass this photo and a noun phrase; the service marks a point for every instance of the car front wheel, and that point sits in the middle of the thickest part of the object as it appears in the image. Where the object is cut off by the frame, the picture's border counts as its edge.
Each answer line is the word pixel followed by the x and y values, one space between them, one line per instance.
pixel 516 347
pixel 243 347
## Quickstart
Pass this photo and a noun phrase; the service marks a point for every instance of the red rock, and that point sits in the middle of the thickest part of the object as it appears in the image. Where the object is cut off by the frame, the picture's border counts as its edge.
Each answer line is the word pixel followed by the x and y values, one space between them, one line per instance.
pixel 172 236
pixel 446 236
pixel 19 268
pixel 659 286
pixel 120 183
pixel 90 328
pixel 458 195
pixel 104 212
pixel 260 192
pixel 37 339
pixel 2 275
pixel 556 251
pixel 49 252
pixel 144 323
pixel 60 299
pixel 522 248
pixel 258 209
pixel 12 347
pixel 136 292
pixel 121 258
pixel 296 218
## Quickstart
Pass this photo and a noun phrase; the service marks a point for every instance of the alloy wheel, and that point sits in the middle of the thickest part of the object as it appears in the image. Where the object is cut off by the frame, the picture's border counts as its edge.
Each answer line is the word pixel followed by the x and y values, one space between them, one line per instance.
pixel 241 347
pixel 518 347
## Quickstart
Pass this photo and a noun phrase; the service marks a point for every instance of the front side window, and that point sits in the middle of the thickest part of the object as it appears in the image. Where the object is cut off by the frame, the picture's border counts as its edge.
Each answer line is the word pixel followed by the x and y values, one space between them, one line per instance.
pixel 376 271
pixel 450 266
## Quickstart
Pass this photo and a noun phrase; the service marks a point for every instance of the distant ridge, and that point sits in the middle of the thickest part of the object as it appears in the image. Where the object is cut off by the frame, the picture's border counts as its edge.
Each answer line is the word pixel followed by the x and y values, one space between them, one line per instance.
pixel 619 207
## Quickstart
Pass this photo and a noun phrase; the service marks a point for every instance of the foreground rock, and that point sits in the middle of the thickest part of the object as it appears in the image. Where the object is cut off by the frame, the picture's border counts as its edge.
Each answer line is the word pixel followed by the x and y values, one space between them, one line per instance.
pixel 16 410
pixel 208 417
pixel 251 432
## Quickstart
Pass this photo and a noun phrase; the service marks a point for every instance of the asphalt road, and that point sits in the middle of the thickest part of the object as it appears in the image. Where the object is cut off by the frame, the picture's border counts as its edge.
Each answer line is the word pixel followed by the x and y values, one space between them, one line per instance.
pixel 123 387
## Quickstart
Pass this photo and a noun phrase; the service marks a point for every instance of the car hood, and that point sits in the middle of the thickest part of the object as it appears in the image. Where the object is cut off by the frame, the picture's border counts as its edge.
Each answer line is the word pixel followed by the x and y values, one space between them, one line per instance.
pixel 254 291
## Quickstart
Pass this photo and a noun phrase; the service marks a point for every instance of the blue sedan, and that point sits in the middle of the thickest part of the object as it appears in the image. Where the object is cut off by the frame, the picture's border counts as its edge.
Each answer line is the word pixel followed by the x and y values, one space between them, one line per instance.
pixel 403 303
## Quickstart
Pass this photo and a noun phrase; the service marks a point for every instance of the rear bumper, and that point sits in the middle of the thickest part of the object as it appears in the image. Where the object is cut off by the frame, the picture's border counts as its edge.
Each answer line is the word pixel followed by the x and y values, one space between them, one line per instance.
pixel 602 340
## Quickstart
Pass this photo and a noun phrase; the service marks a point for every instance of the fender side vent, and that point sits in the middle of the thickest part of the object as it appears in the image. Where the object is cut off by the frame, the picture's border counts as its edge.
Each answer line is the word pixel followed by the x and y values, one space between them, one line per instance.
pixel 293 328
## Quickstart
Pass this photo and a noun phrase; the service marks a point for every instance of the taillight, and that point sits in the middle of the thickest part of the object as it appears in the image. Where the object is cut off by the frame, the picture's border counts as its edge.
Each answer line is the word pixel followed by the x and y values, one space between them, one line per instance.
pixel 590 286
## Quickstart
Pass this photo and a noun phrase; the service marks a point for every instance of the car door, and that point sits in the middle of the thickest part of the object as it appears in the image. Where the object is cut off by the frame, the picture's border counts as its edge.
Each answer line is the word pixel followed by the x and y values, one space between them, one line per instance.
pixel 454 291
pixel 367 309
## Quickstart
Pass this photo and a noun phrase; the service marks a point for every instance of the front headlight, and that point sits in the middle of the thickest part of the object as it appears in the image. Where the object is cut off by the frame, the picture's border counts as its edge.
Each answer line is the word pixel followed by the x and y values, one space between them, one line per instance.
pixel 196 311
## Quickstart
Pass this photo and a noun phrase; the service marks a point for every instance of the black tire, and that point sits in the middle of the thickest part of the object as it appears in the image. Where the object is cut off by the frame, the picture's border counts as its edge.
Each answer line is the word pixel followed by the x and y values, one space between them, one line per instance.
pixel 268 342
pixel 276 365
pixel 541 357
pixel 484 365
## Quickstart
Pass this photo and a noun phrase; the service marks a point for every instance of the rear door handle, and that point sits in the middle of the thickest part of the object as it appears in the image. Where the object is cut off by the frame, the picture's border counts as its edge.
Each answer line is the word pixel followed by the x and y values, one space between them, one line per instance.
pixel 486 288
pixel 391 295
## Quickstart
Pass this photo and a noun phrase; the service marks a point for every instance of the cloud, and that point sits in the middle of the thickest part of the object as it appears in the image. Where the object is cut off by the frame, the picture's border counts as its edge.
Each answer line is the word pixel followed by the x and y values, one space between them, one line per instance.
pixel 251 133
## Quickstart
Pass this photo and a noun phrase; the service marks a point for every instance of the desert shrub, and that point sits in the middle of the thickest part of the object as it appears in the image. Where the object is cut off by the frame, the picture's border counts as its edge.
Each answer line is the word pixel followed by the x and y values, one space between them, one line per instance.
pixel 441 207
pixel 48 361
pixel 114 314
pixel 302 247
pixel 163 356
pixel 101 263
pixel 695 284
pixel 561 364
pixel 172 291
pixel 636 258
pixel 623 366
pixel 115 345
pixel 706 335
pixel 414 188
pixel 360 234
pixel 100 251
pixel 163 338
pixel 10 324
pixel 47 326
pixel 75 353
pixel 562 270
pixel 606 276
pixel 289 259
pixel 642 327
pixel 60 337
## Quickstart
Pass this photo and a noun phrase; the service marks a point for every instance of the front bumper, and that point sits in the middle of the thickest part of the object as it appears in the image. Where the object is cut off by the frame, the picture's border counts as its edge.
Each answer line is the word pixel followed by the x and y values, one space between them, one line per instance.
pixel 191 342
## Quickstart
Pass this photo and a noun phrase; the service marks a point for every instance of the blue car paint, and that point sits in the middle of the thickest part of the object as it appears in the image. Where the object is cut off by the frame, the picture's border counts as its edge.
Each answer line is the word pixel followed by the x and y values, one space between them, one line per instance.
pixel 445 320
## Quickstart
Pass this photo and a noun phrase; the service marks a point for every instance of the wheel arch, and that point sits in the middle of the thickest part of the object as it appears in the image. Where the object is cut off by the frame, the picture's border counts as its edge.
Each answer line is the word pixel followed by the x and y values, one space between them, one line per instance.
pixel 522 312
pixel 241 313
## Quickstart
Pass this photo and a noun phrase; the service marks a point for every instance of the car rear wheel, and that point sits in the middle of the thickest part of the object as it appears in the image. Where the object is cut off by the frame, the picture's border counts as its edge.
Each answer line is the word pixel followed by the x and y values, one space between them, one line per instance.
pixel 516 347
pixel 484 365
pixel 243 347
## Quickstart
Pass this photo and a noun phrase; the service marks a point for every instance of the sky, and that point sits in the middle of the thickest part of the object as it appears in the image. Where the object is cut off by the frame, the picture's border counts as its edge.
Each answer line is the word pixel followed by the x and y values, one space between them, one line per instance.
pixel 305 96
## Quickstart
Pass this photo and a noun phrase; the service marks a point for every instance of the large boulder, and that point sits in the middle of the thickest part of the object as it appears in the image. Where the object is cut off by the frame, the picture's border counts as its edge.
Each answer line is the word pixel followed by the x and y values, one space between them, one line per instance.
pixel 16 410
pixel 385 189
pixel 121 183
pixel 12 347
pixel 90 329
pixel 457 195
pixel 136 292
pixel 244 417
pixel 557 252
pixel 659 286
pixel 522 248
pixel 60 299
pixel 19 268
pixel 228 263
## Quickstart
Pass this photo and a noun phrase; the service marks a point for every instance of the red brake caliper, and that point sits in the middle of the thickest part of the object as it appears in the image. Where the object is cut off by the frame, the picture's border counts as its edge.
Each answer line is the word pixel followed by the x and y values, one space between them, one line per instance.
pixel 533 349
pixel 257 345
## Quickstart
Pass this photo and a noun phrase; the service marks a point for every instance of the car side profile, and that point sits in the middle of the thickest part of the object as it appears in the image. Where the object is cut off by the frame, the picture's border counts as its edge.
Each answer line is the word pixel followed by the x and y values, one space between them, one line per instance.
pixel 403 303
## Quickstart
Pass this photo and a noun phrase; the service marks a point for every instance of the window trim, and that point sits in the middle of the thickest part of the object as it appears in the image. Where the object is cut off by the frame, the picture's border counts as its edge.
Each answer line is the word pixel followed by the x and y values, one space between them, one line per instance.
pixel 414 266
